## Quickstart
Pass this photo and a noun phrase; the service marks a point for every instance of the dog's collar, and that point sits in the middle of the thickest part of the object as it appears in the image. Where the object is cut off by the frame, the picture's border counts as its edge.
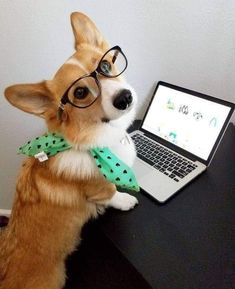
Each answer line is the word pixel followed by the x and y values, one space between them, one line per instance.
pixel 111 167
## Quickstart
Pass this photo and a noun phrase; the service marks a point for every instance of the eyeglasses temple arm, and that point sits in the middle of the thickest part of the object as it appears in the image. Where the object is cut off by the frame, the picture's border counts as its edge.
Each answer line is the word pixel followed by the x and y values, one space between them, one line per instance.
pixel 60 110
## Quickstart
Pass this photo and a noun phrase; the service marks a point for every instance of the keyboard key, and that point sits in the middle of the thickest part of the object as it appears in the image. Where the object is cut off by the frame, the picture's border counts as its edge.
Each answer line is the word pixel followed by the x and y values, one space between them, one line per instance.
pixel 182 172
pixel 145 159
pixel 191 167
pixel 177 174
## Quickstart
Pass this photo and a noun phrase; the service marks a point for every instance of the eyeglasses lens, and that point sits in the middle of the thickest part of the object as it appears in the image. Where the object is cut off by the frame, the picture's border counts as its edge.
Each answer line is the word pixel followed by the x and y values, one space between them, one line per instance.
pixel 84 92
pixel 113 63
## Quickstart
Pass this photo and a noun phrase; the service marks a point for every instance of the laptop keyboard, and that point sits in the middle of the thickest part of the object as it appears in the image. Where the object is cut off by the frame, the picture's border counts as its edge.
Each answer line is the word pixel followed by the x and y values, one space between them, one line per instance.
pixel 163 159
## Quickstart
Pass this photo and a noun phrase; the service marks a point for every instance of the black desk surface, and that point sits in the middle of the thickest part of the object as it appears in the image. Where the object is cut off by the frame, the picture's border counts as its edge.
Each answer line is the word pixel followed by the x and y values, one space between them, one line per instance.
pixel 189 242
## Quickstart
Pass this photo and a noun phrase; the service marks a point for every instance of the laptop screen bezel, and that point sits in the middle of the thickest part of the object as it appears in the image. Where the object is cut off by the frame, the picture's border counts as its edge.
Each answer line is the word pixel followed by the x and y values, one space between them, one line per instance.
pixel 176 148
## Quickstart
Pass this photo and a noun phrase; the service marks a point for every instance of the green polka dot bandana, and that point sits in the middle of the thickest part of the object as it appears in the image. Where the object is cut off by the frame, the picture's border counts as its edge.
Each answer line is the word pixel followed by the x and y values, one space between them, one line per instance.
pixel 114 170
pixel 111 167
pixel 50 144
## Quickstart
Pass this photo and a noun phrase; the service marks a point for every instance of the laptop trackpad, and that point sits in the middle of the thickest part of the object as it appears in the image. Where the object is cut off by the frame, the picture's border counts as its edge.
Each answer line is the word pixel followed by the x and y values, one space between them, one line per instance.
pixel 141 170
pixel 153 182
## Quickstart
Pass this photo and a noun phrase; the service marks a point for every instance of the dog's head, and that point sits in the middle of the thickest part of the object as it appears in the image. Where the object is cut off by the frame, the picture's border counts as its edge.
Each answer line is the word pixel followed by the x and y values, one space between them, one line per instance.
pixel 88 97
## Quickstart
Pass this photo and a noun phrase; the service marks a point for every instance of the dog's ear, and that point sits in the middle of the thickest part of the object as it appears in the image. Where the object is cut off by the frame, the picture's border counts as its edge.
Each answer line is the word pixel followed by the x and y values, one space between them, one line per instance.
pixel 32 98
pixel 85 31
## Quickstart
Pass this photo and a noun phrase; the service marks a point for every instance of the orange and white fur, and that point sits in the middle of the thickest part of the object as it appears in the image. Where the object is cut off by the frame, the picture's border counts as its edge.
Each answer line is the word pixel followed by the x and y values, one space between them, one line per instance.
pixel 55 198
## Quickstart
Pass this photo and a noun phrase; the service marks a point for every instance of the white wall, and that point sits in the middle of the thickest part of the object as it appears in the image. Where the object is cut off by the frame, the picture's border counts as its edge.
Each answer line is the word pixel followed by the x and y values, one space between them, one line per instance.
pixel 187 42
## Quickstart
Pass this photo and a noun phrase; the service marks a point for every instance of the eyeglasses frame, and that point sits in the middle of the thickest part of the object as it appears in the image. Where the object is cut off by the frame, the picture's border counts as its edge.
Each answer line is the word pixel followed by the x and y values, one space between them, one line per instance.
pixel 65 99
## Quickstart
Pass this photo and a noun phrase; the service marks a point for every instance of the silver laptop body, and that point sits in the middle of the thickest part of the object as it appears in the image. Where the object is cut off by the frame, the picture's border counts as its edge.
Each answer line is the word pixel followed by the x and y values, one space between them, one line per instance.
pixel 177 139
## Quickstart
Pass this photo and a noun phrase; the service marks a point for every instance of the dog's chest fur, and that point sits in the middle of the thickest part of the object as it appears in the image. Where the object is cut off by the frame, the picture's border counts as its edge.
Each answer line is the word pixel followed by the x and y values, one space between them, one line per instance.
pixel 80 163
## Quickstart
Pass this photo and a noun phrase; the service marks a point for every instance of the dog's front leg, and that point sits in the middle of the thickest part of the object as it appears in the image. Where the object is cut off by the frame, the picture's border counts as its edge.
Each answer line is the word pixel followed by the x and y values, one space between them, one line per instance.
pixel 122 201
pixel 107 195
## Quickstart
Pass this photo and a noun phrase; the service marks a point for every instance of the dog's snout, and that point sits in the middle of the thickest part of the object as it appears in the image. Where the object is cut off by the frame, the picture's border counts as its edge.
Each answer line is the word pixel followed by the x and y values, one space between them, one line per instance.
pixel 123 99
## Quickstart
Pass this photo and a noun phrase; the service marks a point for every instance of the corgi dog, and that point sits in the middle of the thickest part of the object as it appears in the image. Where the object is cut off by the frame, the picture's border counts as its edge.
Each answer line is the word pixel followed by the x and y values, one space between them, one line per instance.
pixel 90 104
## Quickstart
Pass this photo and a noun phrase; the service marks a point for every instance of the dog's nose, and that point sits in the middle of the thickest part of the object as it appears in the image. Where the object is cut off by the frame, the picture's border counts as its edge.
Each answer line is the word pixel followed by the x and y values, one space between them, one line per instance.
pixel 123 99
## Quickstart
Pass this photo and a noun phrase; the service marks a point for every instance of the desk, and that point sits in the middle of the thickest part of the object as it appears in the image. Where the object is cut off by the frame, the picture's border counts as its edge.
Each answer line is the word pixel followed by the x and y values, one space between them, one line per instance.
pixel 187 243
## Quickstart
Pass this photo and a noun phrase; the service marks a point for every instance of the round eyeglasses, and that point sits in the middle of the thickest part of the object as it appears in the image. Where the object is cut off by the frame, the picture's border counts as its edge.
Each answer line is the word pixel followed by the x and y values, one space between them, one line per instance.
pixel 85 90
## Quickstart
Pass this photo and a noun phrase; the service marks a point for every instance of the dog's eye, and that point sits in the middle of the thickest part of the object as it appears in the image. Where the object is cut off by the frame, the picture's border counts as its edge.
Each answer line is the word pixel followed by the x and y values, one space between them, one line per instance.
pixel 105 66
pixel 81 92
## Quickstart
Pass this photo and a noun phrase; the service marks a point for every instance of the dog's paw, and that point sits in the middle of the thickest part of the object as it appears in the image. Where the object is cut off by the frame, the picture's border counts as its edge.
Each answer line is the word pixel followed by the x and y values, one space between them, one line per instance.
pixel 122 201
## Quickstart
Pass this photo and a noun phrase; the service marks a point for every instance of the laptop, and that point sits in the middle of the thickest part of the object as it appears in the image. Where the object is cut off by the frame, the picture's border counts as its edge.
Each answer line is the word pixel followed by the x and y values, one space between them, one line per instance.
pixel 177 139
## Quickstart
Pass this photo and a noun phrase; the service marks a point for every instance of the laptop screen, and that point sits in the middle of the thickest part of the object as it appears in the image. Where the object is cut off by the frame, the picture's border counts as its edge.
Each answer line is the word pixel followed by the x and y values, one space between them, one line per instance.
pixel 190 122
